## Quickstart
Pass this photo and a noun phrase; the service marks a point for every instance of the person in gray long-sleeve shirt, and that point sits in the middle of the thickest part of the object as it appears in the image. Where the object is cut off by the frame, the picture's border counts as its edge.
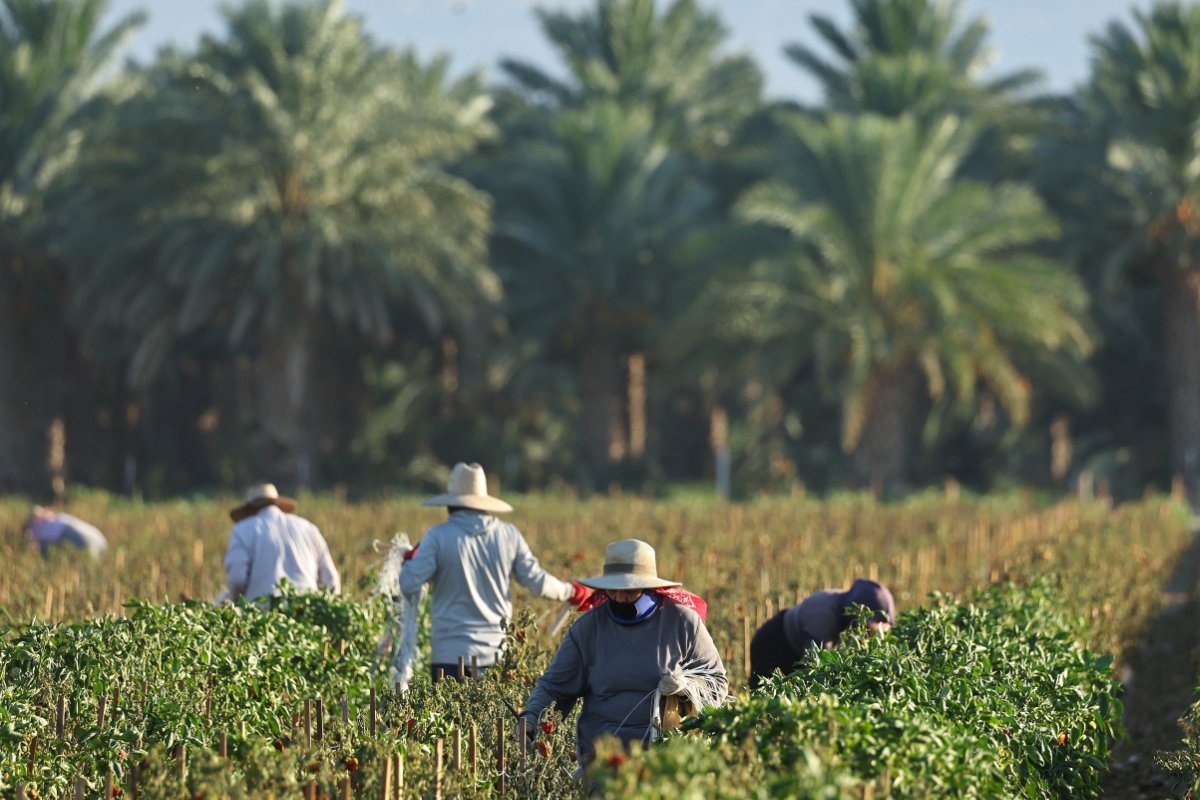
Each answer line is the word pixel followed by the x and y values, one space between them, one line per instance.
pixel 645 636
pixel 470 560
pixel 818 621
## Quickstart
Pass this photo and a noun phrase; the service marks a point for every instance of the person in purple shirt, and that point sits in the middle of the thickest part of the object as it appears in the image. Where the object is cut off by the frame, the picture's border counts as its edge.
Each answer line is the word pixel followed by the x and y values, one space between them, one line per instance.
pixel 49 528
pixel 817 622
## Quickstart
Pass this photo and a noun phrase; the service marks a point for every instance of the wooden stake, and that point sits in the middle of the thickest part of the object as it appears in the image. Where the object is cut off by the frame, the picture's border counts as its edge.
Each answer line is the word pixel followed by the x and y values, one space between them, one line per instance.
pixel 371 723
pixel 523 725
pixel 746 647
pixel 473 753
pixel 399 770
pixel 475 668
pixel 386 794
pixel 48 606
pixel 181 761
pixel 308 723
pixel 346 788
pixel 100 712
pixel 79 788
pixel 458 749
pixel 345 708
pixel 108 784
pixel 462 668
pixel 437 769
pixel 60 718
pixel 500 753
pixel 20 791
pixel 320 720
pixel 223 746
pixel 134 775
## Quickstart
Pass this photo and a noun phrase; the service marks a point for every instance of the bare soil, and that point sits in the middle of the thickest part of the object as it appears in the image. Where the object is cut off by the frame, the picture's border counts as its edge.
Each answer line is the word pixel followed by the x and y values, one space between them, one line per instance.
pixel 1159 675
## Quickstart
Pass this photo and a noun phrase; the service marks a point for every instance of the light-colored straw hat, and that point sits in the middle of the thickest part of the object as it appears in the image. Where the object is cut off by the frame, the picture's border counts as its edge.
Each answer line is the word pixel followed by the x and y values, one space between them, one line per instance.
pixel 629 564
pixel 467 488
pixel 258 496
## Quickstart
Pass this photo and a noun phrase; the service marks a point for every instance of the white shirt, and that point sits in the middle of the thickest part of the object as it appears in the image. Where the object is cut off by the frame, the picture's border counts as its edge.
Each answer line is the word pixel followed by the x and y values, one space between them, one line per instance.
pixel 272 545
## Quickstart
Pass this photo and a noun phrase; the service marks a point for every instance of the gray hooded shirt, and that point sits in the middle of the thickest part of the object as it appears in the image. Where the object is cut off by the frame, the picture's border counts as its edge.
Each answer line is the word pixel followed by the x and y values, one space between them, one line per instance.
pixel 469 561
pixel 616 668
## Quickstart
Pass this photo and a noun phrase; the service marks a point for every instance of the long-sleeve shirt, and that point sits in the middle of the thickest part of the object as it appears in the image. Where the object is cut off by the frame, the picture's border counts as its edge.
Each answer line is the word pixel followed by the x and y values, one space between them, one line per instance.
pixel 272 545
pixel 616 668
pixel 815 621
pixel 469 561
pixel 66 529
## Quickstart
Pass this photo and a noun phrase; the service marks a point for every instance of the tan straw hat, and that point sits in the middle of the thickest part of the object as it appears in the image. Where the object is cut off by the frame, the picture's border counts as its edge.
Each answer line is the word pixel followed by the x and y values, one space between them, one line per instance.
pixel 258 496
pixel 629 564
pixel 467 488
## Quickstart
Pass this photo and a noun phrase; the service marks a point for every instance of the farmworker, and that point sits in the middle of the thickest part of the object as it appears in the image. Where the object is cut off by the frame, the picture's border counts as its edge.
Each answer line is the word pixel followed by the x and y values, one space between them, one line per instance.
pixel 470 560
pixel 817 622
pixel 48 528
pixel 269 543
pixel 640 639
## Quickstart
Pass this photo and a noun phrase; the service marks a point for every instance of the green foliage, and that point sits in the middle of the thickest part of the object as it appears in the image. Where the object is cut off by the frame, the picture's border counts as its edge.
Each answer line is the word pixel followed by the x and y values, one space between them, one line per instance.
pixel 991 698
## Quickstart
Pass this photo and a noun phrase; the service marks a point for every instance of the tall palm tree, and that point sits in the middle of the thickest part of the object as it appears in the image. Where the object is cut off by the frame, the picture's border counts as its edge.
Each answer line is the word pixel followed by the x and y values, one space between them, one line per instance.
pixel 627 52
pixel 1143 107
pixel 593 216
pixel 290 176
pixel 904 283
pixel 918 57
pixel 51 54
pixel 648 110
pixel 926 59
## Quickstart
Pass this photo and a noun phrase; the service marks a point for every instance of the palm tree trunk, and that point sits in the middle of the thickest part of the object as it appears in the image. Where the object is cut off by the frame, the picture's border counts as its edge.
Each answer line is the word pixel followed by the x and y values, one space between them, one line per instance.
pixel 283 375
pixel 637 405
pixel 895 412
pixel 25 405
pixel 1181 331
pixel 604 429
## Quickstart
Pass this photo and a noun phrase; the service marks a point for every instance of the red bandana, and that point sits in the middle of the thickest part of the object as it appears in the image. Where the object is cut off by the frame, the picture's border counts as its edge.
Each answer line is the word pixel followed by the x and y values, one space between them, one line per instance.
pixel 678 596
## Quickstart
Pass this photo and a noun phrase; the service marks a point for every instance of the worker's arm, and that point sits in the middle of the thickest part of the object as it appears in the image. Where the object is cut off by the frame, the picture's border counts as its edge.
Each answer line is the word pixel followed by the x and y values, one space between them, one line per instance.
pixel 327 572
pixel 529 573
pixel 238 558
pixel 416 571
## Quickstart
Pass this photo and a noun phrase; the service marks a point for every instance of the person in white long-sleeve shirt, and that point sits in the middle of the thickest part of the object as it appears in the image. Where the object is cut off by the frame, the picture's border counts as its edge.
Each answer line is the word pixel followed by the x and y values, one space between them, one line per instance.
pixel 269 543
pixel 470 560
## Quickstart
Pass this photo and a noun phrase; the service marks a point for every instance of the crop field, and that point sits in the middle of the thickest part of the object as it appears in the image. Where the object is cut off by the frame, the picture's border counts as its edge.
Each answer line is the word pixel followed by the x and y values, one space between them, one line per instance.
pixel 121 678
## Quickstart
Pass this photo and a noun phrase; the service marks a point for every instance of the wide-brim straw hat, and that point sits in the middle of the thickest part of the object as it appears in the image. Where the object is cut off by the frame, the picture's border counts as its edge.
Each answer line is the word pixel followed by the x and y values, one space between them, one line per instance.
pixel 629 564
pixel 259 496
pixel 467 488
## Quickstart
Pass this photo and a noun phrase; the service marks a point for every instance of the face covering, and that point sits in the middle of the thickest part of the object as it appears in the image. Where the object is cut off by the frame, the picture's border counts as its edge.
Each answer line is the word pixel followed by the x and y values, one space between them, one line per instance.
pixel 632 613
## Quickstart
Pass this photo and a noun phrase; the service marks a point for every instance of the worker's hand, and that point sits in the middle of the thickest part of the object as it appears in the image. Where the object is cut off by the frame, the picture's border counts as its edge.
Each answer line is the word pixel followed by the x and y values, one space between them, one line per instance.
pixel 672 683
pixel 579 593
pixel 412 551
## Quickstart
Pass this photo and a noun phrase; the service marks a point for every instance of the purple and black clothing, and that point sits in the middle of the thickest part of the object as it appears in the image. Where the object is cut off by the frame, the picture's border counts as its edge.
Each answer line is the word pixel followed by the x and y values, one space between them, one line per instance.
pixel 817 622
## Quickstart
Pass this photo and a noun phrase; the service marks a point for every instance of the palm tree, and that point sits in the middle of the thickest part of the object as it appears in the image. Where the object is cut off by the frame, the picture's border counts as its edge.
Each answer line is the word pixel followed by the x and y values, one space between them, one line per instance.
pixel 926 59
pixel 903 283
pixel 51 53
pixel 593 215
pixel 587 234
pixel 1143 106
pixel 290 177
pixel 626 52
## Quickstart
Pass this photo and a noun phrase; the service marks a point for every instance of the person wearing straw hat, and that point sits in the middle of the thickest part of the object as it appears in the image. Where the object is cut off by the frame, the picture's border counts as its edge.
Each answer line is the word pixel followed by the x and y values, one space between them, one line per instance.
pixel 470 561
pixel 49 528
pixel 816 623
pixel 270 543
pixel 642 638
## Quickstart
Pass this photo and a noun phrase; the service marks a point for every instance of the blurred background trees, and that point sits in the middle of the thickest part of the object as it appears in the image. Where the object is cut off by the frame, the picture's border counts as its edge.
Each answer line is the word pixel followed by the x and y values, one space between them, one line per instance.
pixel 293 253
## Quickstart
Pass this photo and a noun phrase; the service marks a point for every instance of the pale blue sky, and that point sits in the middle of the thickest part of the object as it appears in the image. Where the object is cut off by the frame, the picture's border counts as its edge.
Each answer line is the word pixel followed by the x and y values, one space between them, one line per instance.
pixel 1048 34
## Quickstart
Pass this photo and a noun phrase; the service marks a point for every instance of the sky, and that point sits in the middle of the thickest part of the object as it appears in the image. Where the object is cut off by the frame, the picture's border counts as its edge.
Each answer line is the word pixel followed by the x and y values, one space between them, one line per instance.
pixel 1050 35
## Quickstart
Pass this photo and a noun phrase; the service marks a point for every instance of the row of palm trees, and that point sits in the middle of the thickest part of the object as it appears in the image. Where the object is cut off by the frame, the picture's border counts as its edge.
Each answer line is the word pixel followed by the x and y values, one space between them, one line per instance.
pixel 314 250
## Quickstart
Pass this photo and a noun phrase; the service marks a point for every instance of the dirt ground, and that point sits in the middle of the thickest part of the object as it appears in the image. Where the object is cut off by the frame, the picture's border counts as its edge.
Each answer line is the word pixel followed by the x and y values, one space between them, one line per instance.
pixel 1160 678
